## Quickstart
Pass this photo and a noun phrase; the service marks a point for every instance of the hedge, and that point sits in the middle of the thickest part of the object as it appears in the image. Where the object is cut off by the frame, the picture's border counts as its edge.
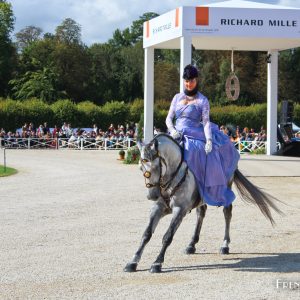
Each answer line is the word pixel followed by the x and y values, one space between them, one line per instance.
pixel 13 114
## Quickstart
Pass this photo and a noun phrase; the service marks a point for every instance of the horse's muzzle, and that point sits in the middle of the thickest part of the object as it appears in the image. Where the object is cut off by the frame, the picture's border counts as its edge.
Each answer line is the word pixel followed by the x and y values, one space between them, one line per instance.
pixel 153 194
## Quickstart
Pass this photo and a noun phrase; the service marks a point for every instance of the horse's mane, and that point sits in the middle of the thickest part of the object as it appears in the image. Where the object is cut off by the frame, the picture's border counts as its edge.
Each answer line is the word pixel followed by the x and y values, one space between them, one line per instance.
pixel 159 135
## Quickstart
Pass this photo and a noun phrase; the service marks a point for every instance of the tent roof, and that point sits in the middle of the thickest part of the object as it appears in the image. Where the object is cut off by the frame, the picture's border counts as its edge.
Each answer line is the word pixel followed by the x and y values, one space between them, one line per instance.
pixel 234 24
pixel 247 4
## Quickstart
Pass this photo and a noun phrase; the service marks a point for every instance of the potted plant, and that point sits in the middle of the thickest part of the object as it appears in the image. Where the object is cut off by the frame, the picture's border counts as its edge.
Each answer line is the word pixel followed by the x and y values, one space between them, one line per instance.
pixel 133 155
pixel 122 154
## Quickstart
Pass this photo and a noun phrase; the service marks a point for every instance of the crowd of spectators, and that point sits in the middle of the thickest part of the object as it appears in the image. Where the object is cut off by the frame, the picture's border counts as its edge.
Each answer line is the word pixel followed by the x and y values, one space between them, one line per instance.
pixel 113 137
pixel 247 137
pixel 67 136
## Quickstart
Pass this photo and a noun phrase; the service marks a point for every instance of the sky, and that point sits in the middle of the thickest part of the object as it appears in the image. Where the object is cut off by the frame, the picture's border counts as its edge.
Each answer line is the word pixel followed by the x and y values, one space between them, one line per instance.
pixel 99 18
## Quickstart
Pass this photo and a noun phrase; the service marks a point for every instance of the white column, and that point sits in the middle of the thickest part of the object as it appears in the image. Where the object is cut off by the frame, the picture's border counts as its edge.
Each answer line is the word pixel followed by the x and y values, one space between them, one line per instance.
pixel 185 56
pixel 148 94
pixel 272 102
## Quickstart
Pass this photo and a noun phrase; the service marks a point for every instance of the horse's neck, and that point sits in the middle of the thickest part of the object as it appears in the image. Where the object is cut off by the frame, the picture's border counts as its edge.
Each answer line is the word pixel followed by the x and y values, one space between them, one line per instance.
pixel 171 153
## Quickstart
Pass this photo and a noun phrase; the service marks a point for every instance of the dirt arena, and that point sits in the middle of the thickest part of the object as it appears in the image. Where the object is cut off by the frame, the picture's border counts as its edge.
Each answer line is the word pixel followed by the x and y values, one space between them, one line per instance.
pixel 71 220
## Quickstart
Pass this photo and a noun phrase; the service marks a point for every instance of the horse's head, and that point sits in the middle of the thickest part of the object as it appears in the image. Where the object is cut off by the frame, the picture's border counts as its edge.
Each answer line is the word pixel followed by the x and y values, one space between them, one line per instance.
pixel 150 165
pixel 159 159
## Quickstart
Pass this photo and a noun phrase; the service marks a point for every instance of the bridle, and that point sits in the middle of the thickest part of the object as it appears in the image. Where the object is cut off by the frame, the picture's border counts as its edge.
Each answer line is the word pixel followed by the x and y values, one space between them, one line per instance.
pixel 160 184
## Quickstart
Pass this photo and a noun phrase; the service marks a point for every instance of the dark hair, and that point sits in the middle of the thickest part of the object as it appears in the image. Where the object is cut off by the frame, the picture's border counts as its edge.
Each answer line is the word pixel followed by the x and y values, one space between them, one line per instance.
pixel 190 72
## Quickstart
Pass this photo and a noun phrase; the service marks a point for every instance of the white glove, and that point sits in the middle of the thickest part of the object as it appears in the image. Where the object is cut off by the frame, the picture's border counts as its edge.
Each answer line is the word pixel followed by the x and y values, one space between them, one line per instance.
pixel 208 146
pixel 175 134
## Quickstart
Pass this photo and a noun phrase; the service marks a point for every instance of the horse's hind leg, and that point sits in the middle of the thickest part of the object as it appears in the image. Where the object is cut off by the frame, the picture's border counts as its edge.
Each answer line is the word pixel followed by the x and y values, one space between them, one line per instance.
pixel 201 211
pixel 227 214
pixel 157 212
pixel 178 215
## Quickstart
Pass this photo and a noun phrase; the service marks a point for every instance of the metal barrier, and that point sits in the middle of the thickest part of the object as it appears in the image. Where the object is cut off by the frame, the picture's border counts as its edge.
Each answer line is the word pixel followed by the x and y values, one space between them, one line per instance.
pixel 65 143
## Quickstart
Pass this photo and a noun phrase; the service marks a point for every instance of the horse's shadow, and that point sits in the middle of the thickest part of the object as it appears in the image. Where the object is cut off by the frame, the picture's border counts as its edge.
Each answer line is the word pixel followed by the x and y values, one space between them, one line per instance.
pixel 265 262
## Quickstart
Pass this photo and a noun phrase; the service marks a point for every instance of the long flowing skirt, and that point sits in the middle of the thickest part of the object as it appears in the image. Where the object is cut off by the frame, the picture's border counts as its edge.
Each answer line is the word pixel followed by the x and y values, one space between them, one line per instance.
pixel 213 171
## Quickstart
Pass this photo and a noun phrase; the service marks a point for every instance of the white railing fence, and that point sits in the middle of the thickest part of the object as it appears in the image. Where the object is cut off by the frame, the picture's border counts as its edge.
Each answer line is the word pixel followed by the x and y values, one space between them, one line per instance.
pixel 64 143
pixel 102 144
pixel 252 146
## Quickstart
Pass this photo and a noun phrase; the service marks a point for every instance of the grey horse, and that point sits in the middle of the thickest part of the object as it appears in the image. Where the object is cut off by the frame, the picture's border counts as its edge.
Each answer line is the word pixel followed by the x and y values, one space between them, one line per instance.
pixel 173 188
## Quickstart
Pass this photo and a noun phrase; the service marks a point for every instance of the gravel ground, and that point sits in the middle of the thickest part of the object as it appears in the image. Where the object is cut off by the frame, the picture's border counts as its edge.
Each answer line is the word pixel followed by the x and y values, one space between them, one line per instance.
pixel 71 220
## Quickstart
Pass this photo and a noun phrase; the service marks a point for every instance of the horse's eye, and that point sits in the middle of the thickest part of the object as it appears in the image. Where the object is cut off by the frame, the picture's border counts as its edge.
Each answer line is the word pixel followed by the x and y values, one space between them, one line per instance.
pixel 145 160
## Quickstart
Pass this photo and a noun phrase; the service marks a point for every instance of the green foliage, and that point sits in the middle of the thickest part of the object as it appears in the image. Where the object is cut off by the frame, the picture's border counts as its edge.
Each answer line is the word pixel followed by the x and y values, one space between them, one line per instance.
pixel 90 114
pixel 166 80
pixel 27 36
pixel 12 114
pixel 65 111
pixel 115 112
pixel 253 116
pixel 162 104
pixel 8 54
pixel 41 84
pixel 68 32
pixel 72 63
pixel 258 151
pixel 136 109
pixel 160 119
pixel 38 111
pixel 134 34
pixel 7 19
pixel 133 155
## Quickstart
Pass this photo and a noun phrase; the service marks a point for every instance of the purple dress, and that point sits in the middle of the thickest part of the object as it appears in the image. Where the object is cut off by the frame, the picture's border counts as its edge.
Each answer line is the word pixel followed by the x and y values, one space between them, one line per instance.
pixel 192 120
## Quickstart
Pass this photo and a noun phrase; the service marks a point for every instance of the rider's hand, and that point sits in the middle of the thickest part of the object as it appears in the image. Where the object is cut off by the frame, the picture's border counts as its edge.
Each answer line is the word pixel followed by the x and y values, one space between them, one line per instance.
pixel 208 146
pixel 175 134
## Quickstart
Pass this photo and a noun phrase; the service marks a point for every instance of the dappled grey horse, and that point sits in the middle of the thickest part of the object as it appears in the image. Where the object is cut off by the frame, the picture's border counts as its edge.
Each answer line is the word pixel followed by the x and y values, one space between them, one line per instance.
pixel 173 187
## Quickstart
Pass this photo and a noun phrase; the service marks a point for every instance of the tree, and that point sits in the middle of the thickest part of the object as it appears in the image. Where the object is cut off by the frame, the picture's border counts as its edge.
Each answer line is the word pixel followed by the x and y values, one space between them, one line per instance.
pixel 134 34
pixel 166 83
pixel 8 52
pixel 68 32
pixel 28 35
pixel 72 64
pixel 41 84
pixel 7 20
pixel 136 28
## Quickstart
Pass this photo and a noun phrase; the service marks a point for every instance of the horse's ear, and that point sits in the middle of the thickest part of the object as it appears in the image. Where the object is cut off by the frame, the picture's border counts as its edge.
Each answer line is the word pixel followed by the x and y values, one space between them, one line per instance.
pixel 154 145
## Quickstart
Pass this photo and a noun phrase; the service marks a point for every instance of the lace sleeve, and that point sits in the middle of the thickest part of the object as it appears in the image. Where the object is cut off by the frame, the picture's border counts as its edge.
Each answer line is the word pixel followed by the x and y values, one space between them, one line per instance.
pixel 205 119
pixel 170 116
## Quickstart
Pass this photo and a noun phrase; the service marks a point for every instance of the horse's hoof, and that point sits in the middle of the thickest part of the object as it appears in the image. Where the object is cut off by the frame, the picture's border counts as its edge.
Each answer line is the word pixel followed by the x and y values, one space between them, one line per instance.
pixel 224 250
pixel 190 250
pixel 155 268
pixel 130 267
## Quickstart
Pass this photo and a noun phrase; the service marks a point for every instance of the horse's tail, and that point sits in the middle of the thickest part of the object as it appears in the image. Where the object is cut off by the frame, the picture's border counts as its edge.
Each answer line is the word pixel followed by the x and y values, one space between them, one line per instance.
pixel 251 194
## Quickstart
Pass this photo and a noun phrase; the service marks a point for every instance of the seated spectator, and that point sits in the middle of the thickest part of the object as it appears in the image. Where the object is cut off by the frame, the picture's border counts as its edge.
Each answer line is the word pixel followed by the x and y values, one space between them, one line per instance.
pixel 40 131
pixel 46 129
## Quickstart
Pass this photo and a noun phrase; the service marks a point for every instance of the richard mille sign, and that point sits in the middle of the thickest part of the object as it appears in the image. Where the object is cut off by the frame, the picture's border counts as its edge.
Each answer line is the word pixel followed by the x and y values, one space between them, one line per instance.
pixel 254 22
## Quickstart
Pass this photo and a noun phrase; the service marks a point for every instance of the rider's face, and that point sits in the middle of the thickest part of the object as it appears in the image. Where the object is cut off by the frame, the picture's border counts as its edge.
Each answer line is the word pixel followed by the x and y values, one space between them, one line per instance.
pixel 190 84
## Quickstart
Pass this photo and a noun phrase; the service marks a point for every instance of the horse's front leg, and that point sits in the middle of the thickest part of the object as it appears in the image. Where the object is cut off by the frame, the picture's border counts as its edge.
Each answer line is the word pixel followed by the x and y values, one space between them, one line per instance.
pixel 228 215
pixel 157 212
pixel 201 211
pixel 178 215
